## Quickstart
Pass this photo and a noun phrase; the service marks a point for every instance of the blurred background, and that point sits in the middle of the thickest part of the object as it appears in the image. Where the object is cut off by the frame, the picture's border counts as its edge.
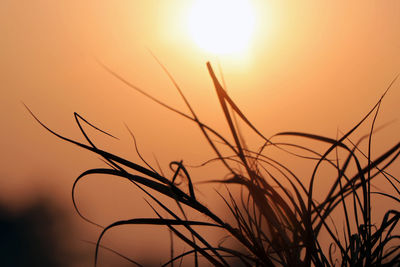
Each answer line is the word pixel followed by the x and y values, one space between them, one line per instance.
pixel 311 66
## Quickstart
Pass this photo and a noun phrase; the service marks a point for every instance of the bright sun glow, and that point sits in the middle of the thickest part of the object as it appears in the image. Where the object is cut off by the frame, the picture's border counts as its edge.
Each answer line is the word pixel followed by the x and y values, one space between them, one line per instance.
pixel 222 26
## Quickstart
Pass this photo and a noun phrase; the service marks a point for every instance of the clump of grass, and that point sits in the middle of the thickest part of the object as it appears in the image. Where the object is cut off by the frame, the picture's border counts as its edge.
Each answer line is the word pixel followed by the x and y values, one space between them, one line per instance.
pixel 276 225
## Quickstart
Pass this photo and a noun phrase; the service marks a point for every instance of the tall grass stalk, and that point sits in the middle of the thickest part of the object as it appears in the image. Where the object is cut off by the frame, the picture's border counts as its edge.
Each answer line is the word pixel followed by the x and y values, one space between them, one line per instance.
pixel 276 225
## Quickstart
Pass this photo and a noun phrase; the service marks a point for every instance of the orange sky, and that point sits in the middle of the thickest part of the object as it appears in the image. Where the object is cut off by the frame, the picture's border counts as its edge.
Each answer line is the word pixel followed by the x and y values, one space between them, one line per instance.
pixel 313 66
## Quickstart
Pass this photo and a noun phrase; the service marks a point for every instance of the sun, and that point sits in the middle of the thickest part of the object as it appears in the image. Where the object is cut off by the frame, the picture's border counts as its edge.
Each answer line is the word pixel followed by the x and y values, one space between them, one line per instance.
pixel 222 26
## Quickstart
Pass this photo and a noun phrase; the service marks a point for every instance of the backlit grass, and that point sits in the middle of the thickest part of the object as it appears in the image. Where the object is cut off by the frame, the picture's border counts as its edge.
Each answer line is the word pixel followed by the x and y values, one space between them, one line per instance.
pixel 277 220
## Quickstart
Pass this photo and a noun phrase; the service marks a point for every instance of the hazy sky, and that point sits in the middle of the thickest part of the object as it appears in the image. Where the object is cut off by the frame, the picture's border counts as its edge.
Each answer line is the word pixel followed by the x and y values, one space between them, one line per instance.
pixel 313 66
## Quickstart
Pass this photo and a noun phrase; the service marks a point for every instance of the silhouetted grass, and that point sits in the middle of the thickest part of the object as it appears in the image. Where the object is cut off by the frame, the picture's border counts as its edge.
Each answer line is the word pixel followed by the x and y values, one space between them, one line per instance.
pixel 276 225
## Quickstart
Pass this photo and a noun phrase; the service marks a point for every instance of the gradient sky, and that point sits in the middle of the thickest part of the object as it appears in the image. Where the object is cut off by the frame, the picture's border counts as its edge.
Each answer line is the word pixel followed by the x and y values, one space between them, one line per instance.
pixel 313 66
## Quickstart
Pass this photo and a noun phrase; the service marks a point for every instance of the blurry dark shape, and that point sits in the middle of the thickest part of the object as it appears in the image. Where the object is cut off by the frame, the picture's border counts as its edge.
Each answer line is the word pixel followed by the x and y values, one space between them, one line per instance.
pixel 32 236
